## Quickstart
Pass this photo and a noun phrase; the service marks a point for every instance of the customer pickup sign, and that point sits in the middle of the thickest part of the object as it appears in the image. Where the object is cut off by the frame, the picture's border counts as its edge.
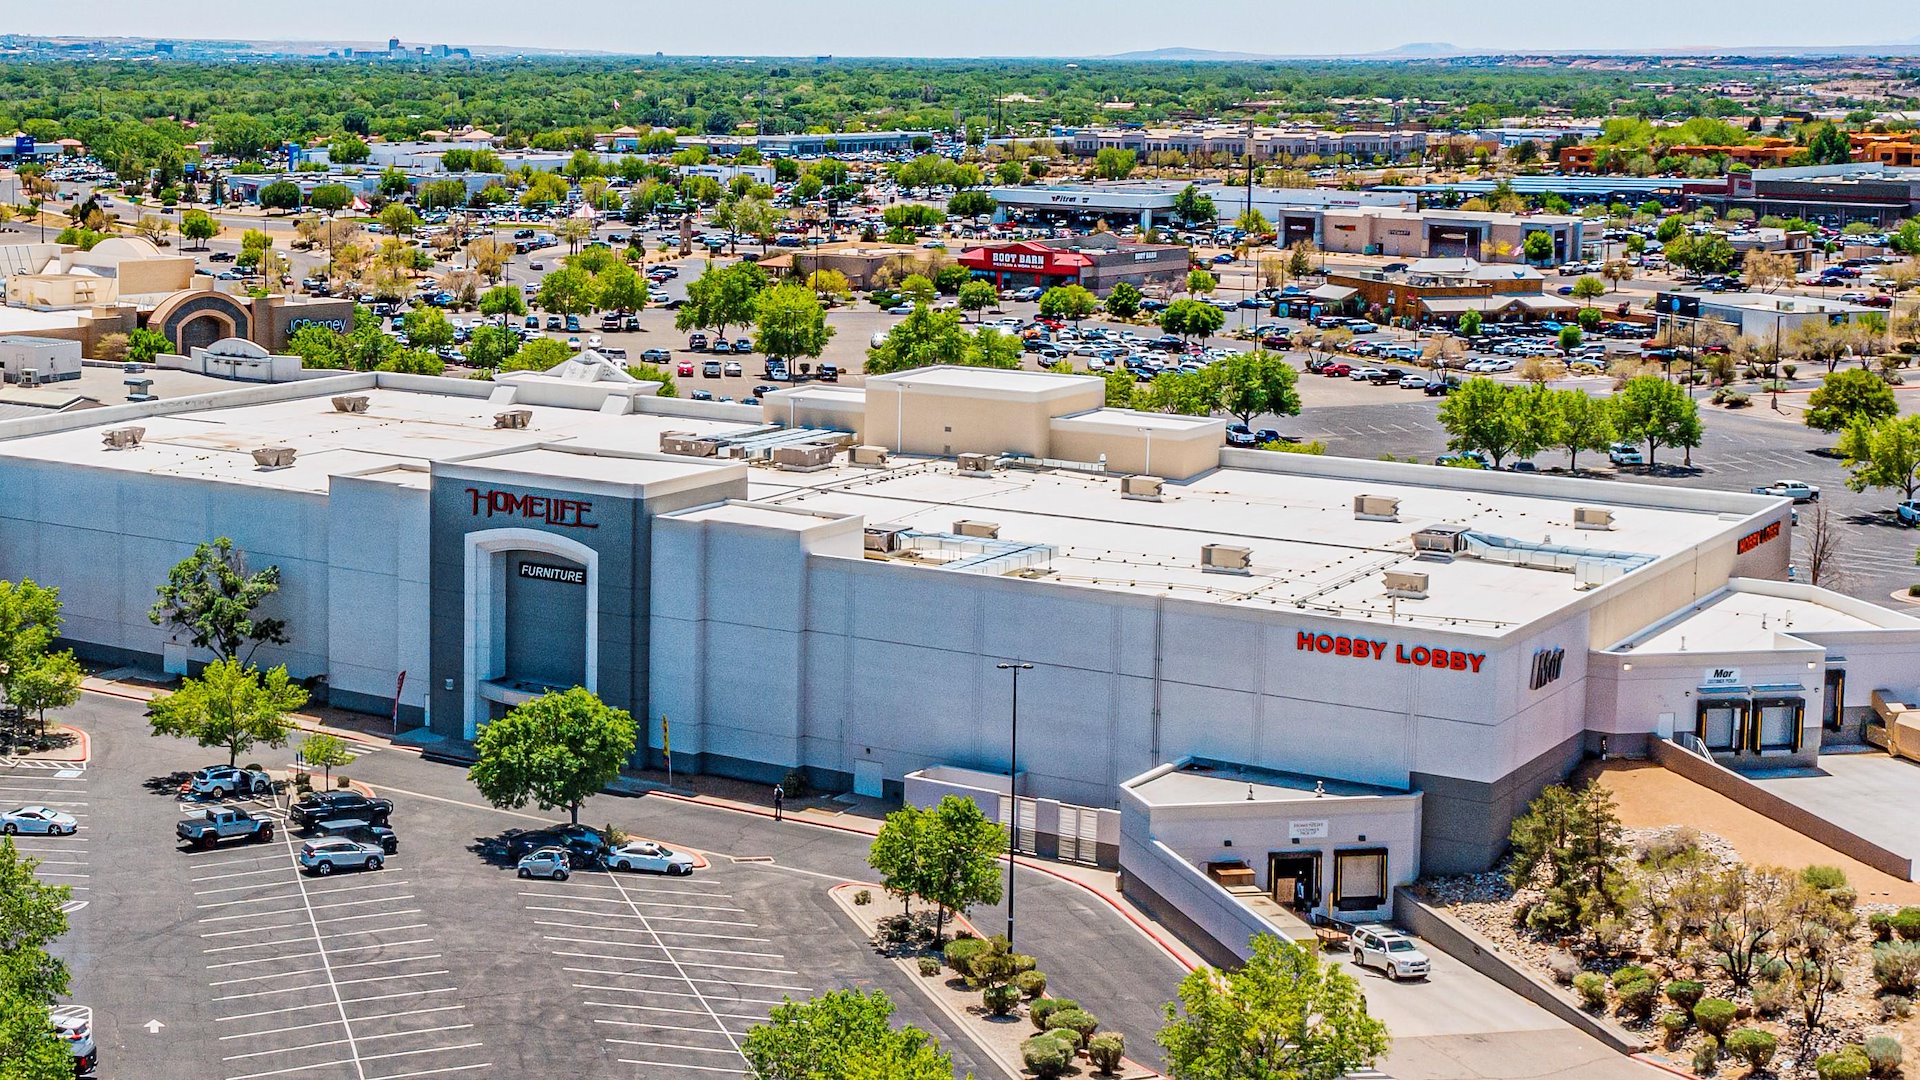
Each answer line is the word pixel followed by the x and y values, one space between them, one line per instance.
pixel 1429 656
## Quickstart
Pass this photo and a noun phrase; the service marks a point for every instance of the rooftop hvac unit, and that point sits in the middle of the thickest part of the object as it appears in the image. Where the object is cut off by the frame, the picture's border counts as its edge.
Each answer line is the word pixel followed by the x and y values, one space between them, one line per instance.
pixel 1406 584
pixel 883 538
pixel 1141 487
pixel 1376 508
pixel 1225 558
pixel 1443 541
pixel 123 438
pixel 807 457
pixel 350 403
pixel 868 455
pixel 989 530
pixel 29 376
pixel 513 418
pixel 975 463
pixel 1592 517
pixel 274 457
pixel 687 444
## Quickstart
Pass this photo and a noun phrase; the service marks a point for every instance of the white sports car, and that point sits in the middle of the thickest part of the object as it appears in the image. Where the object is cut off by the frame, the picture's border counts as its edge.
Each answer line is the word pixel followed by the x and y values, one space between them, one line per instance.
pixel 647 855
pixel 38 819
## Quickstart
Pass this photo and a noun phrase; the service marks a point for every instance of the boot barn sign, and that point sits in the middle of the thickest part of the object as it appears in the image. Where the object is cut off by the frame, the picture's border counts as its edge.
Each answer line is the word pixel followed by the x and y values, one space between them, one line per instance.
pixel 1427 656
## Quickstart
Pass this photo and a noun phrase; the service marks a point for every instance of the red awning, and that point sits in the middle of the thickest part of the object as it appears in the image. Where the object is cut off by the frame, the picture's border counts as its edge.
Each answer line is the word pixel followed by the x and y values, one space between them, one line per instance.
pixel 1025 257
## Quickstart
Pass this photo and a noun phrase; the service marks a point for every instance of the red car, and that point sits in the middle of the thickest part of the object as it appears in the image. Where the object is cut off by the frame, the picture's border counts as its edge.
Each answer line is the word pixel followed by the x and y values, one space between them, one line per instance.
pixel 1337 371
pixel 685 370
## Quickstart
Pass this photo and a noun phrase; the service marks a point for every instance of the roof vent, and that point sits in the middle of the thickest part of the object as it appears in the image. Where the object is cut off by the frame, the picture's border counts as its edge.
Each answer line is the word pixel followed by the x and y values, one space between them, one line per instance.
pixel 1225 558
pixel 1141 487
pixel 513 418
pixel 989 530
pixel 687 444
pixel 123 438
pixel 883 537
pixel 350 403
pixel 1440 541
pixel 975 463
pixel 274 457
pixel 1592 517
pixel 1376 508
pixel 868 455
pixel 1406 584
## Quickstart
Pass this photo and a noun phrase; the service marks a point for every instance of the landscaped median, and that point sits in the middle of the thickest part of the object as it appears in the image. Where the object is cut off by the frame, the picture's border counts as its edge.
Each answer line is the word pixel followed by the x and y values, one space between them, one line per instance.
pixel 991 993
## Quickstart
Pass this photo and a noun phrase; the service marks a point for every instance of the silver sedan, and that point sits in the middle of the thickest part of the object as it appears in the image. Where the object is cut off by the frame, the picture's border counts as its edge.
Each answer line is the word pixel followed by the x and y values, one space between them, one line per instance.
pixel 38 820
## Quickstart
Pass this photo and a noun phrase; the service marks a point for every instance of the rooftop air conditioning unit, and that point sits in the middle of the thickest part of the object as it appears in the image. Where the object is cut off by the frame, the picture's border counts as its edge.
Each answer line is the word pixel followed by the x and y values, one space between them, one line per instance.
pixel 1406 584
pixel 1592 517
pixel 1141 487
pixel 1376 508
pixel 350 403
pixel 29 376
pixel 986 530
pixel 123 438
pixel 1440 541
pixel 883 538
pixel 1225 558
pixel 513 418
pixel 274 457
pixel 869 455
pixel 807 457
pixel 687 444
pixel 975 463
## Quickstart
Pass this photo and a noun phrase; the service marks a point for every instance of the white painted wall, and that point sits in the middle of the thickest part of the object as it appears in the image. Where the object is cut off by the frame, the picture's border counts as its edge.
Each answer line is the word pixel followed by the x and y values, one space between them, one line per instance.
pixel 377 589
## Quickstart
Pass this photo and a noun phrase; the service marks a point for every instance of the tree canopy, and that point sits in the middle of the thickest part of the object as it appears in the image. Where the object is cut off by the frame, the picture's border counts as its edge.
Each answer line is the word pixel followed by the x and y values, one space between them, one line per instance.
pixel 553 751
pixel 211 597
pixel 842 1035
pixel 231 706
pixel 1285 1015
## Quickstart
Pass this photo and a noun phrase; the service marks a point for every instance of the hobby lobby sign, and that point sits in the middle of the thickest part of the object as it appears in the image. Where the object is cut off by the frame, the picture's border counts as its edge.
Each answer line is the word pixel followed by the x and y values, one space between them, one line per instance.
pixel 1428 656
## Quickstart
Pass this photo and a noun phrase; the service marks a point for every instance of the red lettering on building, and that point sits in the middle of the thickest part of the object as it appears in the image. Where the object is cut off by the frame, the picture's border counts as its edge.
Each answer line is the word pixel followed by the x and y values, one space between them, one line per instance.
pixel 1369 649
pixel 1757 537
pixel 564 513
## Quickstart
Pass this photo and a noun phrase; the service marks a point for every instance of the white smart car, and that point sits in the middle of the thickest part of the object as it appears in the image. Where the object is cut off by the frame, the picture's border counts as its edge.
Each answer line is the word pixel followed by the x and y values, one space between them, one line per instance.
pixel 647 855
pixel 546 862
pixel 38 820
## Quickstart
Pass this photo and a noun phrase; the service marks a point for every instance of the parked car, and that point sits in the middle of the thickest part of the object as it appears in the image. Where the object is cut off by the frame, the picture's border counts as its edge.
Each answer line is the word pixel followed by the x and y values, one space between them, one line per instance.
pixel 656 356
pixel 700 395
pixel 710 369
pixel 1336 371
pixel 220 781
pixel 647 855
pixel 1798 490
pixel 1478 457
pixel 38 821
pixel 684 369
pixel 363 831
pixel 322 806
pixel 1625 454
pixel 697 342
pixel 206 828
pixel 732 369
pixel 1907 512
pixel 582 841
pixel 1240 435
pixel 547 862
pixel 1266 435
pixel 1440 387
pixel 73 1026
pixel 1412 382
pixel 323 857
pixel 1390 951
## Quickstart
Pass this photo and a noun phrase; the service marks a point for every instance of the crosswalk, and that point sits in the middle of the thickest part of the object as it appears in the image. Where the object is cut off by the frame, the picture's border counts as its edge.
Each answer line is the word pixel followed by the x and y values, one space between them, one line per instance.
pixel 355 751
pixel 73 767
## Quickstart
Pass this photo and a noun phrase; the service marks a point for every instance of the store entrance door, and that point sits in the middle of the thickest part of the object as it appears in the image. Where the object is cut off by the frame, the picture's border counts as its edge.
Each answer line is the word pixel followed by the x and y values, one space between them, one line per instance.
pixel 1293 878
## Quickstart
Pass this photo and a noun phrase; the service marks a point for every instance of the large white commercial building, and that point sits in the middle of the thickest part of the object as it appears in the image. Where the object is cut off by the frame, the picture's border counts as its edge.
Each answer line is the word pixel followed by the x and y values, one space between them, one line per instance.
pixel 1347 670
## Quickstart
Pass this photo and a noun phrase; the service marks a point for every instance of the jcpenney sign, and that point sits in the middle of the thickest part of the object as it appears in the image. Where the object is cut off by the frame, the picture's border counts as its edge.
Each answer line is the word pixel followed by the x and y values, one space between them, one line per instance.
pixel 1429 656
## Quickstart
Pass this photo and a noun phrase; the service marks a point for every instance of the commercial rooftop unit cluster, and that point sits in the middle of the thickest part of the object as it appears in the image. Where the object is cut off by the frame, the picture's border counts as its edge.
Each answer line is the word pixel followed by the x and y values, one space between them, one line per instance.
pixel 828 583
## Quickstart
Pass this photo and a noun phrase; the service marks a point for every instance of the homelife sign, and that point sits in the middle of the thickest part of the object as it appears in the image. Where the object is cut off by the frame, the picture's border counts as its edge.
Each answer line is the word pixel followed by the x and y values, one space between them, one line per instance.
pixel 566 513
pixel 1431 656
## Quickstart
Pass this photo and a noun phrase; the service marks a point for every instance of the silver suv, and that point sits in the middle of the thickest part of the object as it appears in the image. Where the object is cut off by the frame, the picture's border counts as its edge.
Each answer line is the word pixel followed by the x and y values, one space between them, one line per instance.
pixel 1390 951
pixel 323 857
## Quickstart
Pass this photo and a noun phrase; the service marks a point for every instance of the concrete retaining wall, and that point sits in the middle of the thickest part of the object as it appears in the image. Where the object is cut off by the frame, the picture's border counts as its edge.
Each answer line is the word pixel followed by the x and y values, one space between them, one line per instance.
pixel 1717 778
pixel 1465 944
pixel 1209 918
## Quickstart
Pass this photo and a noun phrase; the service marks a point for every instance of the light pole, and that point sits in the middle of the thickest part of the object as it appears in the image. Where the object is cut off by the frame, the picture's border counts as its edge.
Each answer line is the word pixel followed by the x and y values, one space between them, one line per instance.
pixel 1013 802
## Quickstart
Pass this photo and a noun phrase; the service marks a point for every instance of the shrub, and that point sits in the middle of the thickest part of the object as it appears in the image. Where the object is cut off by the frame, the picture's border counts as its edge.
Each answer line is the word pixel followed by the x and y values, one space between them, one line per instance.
pixel 1046 1055
pixel 1675 1024
pixel 1846 896
pixel 1895 1007
pixel 1592 988
pixel 1627 973
pixel 1000 1000
pixel 1906 923
pixel 1079 1022
pixel 1106 1049
pixel 1881 922
pixel 795 785
pixel 1824 877
pixel 1753 1046
pixel 1022 963
pixel 1685 993
pixel 342 783
pixel 895 929
pixel 863 898
pixel 1771 997
pixel 961 951
pixel 1848 1064
pixel 1031 984
pixel 1883 1054
pixel 1638 997
pixel 1706 1055
pixel 929 966
pixel 1896 966
pixel 1714 1015
pixel 1045 1007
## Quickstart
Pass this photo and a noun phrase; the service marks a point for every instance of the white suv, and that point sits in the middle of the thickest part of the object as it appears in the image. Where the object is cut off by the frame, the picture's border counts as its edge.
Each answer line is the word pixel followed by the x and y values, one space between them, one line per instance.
pixel 1390 951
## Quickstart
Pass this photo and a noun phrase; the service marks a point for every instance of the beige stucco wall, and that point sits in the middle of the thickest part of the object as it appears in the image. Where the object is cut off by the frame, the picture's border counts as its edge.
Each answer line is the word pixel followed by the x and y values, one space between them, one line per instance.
pixel 949 420
pixel 62 290
pixel 1175 455
pixel 167 273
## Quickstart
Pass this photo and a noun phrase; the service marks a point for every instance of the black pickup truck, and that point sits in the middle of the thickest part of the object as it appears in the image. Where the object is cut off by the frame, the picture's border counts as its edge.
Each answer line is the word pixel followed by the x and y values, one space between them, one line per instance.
pixel 320 806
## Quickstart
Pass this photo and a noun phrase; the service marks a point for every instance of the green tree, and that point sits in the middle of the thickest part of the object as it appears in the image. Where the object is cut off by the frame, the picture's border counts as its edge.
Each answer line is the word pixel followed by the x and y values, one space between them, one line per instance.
pixel 899 852
pixel 655 373
pixel 791 323
pixel 619 287
pixel 490 346
pixel 1124 301
pixel 503 300
pixel 1485 415
pixel 948 279
pixel 427 328
pixel 50 680
pixel 1588 288
pixel 347 150
pixel 757 218
pixel 32 917
pixel 1257 383
pixel 1651 410
pixel 280 195
pixel 961 858
pixel 1201 282
pixel 918 288
pixel 1828 145
pixel 1470 323
pixel 198 226
pixel 568 291
pixel 143 345
pixel 721 297
pixel 317 347
pixel 29 622
pixel 1121 389
pixel 1112 163
pixel 555 750
pixel 210 597
pixel 1253 223
pixel 922 339
pixel 1191 318
pixel 988 347
pixel 399 219
pixel 1883 453
pixel 229 705
pixel 330 197
pixel 977 296
pixel 1584 422
pixel 1537 247
pixel 1193 208
pixel 971 203
pixel 1179 392
pixel 842 1035
pixel 1570 845
pixel 1283 1016
pixel 1569 338
pixel 1846 396
pixel 1071 302
pixel 540 354
pixel 328 752
pixel 393 182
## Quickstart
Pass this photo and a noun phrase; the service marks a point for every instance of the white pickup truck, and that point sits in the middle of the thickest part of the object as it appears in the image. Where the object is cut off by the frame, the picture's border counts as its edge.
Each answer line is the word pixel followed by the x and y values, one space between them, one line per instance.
pixel 1797 490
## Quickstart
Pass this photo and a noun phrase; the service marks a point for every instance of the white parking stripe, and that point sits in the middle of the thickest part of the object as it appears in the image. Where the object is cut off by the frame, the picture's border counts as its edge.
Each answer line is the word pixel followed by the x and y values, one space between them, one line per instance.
pixel 330 1023
pixel 666 933
pixel 432 1072
pixel 338 1042
pixel 650 975
pixel 626 902
pixel 676 962
pixel 294 1069
pixel 674 1046
pixel 673 1065
pixel 683 1012
pixel 671 994
pixel 651 1026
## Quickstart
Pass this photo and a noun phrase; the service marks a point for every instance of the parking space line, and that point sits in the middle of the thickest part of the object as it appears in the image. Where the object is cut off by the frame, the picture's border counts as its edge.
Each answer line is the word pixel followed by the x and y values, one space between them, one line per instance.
pixel 675 961
pixel 389 978
pixel 672 1046
pixel 671 994
pixel 650 1025
pixel 293 1069
pixel 229 877
pixel 433 1072
pixel 682 1012
pixel 275 975
pixel 704 978
pixel 414 1053
pixel 275 990
pixel 338 1042
pixel 260 959
pixel 672 1065
pixel 329 1023
pixel 668 933
pixel 642 903
pixel 374 915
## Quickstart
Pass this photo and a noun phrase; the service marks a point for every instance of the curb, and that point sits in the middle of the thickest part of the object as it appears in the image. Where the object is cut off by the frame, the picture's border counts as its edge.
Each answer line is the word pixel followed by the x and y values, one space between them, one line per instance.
pixel 86 750
pixel 1663 1066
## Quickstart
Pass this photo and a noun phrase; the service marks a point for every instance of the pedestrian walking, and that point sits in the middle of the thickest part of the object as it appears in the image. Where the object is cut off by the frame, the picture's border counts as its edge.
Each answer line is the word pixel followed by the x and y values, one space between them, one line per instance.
pixel 779 800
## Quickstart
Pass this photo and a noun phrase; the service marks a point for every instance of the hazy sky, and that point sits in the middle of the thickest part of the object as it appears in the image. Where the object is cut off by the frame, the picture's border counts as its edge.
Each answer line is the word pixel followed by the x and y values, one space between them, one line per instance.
pixel 998 27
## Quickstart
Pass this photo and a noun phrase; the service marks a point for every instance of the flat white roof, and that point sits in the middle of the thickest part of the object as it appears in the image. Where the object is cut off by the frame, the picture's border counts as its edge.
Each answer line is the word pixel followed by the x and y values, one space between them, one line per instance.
pixel 16 320
pixel 1738 621
pixel 1004 380
pixel 1200 782
pixel 1132 420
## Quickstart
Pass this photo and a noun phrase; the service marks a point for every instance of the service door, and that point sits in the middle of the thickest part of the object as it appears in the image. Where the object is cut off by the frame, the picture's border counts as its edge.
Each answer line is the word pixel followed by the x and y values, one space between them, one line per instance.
pixel 867 780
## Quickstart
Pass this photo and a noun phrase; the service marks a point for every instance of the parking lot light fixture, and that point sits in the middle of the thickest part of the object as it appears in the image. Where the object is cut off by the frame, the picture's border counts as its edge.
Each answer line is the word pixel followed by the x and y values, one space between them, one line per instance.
pixel 1013 801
